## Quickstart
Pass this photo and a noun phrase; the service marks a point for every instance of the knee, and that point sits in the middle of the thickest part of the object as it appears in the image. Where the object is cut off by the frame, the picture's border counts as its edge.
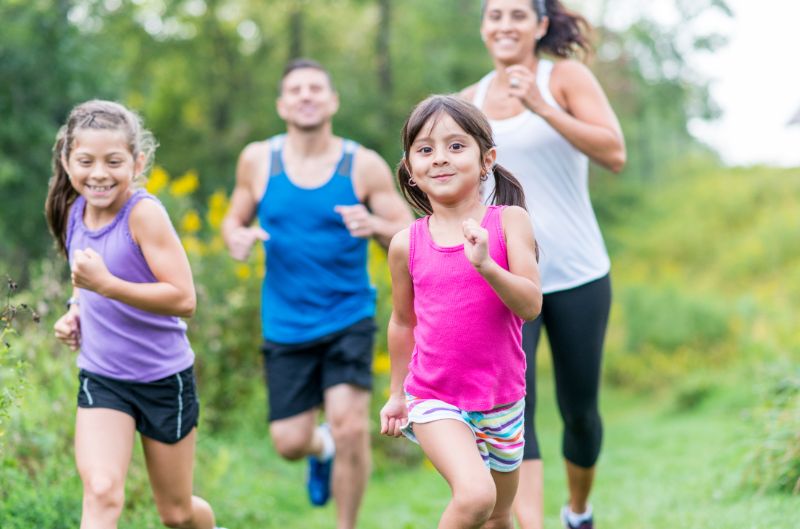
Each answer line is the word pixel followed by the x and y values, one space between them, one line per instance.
pixel 103 491
pixel 350 432
pixel 475 502
pixel 176 516
pixel 291 444
pixel 584 424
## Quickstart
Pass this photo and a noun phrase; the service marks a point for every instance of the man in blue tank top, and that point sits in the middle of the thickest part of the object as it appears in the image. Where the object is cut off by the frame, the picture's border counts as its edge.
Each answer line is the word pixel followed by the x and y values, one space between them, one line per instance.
pixel 319 199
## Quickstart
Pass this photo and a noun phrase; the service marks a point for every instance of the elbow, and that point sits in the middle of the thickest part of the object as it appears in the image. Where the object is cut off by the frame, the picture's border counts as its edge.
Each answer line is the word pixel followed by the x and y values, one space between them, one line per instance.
pixel 186 307
pixel 533 309
pixel 616 162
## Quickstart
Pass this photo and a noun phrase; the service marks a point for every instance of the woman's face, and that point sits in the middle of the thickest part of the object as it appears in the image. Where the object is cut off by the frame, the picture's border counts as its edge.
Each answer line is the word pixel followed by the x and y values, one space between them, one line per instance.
pixel 509 30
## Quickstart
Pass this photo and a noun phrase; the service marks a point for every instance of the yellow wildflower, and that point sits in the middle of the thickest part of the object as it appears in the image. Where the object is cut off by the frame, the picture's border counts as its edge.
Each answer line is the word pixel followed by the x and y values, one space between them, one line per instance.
pixel 158 180
pixel 243 271
pixel 191 223
pixel 217 206
pixel 192 245
pixel 381 364
pixel 185 185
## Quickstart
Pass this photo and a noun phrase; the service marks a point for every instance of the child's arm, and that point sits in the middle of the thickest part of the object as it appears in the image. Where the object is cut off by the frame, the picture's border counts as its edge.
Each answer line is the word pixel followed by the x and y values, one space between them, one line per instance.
pixel 173 294
pixel 401 334
pixel 519 287
pixel 68 327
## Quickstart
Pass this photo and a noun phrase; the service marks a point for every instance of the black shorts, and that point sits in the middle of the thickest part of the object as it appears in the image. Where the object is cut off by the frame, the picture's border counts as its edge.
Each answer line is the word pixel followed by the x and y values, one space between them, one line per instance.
pixel 298 374
pixel 165 410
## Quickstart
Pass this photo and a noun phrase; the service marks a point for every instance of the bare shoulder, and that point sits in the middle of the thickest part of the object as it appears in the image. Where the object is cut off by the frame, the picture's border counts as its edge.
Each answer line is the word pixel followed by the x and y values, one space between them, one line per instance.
pixel 148 218
pixel 400 245
pixel 515 214
pixel 255 153
pixel 468 93
pixel 570 73
pixel 368 161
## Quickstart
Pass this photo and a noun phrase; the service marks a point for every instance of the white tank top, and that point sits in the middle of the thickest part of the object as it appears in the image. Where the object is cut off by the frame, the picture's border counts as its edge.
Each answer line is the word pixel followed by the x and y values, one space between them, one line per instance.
pixel 555 176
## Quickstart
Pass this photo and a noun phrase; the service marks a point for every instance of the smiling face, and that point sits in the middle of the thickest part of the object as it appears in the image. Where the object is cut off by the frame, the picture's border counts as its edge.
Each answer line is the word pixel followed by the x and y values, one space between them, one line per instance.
pixel 307 100
pixel 446 162
pixel 510 29
pixel 101 167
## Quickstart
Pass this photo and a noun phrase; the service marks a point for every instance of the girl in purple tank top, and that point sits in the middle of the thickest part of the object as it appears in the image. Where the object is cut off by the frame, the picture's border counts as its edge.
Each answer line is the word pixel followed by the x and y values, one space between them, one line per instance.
pixel 464 277
pixel 131 284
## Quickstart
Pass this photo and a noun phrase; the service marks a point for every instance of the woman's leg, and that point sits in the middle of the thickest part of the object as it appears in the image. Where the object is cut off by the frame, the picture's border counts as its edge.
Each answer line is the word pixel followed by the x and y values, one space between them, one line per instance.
pixel 171 467
pixel 450 445
pixel 529 501
pixel 103 448
pixel 576 324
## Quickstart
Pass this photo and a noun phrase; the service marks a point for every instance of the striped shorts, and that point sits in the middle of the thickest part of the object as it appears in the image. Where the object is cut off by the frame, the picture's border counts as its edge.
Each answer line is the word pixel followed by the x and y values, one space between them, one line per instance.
pixel 498 432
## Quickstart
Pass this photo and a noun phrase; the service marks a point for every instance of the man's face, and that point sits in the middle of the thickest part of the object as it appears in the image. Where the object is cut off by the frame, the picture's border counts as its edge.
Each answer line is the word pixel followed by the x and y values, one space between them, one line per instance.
pixel 307 100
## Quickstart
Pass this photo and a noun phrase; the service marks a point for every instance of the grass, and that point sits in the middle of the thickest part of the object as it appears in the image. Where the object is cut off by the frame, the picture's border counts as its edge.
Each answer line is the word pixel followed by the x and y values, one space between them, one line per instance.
pixel 672 458
pixel 662 466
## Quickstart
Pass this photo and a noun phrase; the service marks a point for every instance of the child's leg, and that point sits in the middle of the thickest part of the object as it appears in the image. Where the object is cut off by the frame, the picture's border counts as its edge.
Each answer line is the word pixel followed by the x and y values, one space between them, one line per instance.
pixel 450 445
pixel 506 485
pixel 103 447
pixel 170 467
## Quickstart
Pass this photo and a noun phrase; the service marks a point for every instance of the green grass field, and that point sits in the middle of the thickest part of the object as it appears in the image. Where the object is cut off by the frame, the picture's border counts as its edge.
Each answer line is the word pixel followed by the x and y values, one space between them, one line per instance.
pixel 662 467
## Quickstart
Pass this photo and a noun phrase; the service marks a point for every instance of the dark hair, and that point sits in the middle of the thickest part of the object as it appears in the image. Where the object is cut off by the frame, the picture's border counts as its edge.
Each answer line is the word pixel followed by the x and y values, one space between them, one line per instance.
pixel 302 64
pixel 567 32
pixel 507 188
pixel 98 115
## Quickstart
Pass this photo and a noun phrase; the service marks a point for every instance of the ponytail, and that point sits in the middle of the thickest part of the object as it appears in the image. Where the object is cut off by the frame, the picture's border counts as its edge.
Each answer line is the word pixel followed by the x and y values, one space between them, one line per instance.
pixel 509 192
pixel 567 32
pixel 60 195
pixel 413 195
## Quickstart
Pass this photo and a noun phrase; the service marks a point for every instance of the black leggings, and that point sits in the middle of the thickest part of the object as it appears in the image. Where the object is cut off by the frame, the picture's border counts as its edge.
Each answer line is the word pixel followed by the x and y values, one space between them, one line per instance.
pixel 576 321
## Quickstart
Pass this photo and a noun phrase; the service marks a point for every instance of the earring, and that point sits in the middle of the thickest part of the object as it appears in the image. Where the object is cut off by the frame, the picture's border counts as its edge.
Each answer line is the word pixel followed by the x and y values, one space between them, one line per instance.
pixel 412 182
pixel 487 175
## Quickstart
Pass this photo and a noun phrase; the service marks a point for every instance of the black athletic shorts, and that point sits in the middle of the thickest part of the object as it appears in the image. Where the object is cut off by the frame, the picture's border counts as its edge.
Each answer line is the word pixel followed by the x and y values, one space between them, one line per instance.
pixel 297 375
pixel 165 410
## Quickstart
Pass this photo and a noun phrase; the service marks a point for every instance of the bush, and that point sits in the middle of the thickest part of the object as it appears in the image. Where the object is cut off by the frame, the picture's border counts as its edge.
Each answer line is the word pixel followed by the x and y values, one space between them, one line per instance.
pixel 774 463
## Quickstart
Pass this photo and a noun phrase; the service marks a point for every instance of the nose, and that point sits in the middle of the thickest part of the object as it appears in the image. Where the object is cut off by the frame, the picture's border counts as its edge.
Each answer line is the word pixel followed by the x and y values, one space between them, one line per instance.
pixel 440 158
pixel 97 170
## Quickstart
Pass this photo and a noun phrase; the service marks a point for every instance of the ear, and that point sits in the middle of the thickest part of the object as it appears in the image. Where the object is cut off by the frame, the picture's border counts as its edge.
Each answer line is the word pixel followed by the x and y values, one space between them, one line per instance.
pixel 138 165
pixel 335 102
pixel 64 165
pixel 544 25
pixel 280 108
pixel 489 159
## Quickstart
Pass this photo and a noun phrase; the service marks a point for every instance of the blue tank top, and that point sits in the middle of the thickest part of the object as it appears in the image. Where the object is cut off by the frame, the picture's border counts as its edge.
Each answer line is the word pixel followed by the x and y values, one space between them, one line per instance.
pixel 316 280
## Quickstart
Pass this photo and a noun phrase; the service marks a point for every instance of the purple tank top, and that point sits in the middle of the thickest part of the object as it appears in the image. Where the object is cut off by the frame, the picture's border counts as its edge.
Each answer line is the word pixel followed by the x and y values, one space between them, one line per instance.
pixel 117 340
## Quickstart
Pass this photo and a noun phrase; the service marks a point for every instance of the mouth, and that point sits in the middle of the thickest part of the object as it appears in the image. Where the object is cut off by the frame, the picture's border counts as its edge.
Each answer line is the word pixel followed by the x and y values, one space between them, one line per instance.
pixel 444 176
pixel 100 189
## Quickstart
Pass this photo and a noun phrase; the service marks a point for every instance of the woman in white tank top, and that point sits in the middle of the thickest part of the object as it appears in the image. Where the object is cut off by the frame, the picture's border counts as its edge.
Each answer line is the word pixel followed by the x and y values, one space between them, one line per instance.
pixel 549 119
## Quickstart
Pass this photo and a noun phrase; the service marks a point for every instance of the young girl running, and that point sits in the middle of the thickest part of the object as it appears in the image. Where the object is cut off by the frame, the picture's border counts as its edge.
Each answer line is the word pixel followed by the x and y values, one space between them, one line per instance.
pixel 464 278
pixel 131 283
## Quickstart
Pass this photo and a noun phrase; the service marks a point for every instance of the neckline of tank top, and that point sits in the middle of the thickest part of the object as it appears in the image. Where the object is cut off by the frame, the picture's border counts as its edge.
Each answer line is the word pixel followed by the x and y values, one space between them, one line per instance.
pixel 447 249
pixel 105 228
pixel 511 123
pixel 327 181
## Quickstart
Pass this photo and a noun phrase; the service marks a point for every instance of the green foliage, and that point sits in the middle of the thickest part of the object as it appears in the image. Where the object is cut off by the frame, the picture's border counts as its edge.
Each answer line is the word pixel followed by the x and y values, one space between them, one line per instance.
pixel 774 460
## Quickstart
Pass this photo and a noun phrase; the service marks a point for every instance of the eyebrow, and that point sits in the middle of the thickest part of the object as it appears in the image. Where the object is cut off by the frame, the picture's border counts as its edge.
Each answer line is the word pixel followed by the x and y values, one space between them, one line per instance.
pixel 458 135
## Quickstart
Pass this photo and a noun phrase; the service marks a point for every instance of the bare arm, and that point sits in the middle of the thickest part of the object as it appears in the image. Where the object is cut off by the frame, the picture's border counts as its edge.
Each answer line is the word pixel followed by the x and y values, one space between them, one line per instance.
pixel 237 232
pixel 173 292
pixel 400 334
pixel 388 212
pixel 589 122
pixel 519 287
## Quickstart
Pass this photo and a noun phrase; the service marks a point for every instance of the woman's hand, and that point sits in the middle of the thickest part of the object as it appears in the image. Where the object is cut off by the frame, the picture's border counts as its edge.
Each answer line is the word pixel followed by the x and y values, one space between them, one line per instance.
pixel 522 85
pixel 394 415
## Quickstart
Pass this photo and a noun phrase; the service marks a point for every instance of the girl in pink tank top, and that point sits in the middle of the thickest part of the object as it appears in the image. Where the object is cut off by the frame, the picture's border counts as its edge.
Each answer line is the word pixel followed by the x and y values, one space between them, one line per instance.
pixel 464 277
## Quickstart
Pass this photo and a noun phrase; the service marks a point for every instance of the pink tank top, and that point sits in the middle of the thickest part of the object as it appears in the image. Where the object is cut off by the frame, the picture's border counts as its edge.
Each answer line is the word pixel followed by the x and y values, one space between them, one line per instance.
pixel 468 343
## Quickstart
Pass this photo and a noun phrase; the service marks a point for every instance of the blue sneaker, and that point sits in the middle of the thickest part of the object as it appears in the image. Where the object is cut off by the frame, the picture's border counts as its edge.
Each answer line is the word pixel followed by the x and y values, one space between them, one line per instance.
pixel 319 480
